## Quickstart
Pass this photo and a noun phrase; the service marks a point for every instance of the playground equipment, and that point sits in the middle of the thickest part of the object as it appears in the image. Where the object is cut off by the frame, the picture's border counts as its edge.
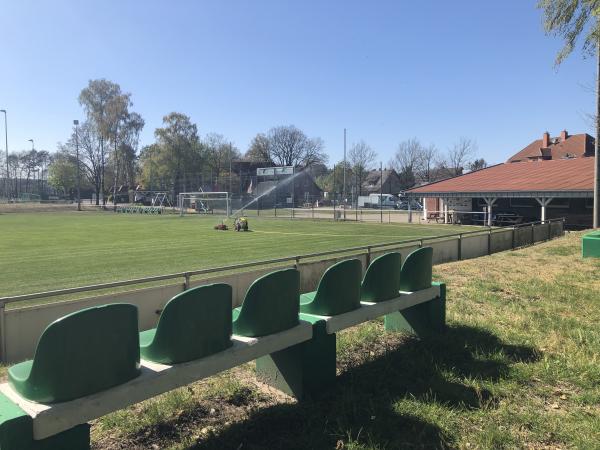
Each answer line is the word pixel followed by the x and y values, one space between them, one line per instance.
pixel 152 198
pixel 97 369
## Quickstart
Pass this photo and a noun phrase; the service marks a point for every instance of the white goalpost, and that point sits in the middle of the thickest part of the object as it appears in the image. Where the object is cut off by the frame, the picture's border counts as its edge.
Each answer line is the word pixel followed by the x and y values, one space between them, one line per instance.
pixel 204 203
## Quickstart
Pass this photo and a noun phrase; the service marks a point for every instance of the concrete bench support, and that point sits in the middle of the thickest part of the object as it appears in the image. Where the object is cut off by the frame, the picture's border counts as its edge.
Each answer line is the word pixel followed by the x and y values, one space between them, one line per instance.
pixel 304 369
pixel 422 319
pixel 16 432
pixel 309 368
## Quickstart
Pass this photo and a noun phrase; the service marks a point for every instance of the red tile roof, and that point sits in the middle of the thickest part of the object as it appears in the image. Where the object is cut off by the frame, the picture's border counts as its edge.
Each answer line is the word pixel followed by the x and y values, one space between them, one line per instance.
pixel 576 174
pixel 576 145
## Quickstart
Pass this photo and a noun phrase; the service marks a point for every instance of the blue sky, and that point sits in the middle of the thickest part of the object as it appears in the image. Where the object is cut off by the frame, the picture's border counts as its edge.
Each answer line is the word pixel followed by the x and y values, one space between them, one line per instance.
pixel 385 70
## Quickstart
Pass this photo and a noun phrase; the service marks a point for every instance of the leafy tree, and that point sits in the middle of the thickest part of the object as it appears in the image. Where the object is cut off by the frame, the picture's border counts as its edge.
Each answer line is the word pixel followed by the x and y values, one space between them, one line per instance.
pixel 105 106
pixel 178 152
pixel 219 154
pixel 570 19
pixel 62 172
pixel 259 149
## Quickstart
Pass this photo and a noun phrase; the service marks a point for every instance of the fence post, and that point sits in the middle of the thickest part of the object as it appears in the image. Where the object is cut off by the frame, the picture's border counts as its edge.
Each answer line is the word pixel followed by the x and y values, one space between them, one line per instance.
pixel 549 230
pixel 296 262
pixel 420 243
pixel 3 332
pixel 368 257
pixel 514 232
pixel 490 241
pixel 459 241
pixel 186 283
pixel 532 233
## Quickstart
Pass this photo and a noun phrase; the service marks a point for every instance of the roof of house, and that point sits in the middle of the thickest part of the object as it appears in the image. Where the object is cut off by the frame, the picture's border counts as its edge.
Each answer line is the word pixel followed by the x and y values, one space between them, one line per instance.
pixel 564 146
pixel 373 179
pixel 557 175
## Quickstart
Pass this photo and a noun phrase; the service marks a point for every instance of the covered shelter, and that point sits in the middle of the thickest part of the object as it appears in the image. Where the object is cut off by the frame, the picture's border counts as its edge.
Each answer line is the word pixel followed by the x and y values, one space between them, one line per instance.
pixel 532 189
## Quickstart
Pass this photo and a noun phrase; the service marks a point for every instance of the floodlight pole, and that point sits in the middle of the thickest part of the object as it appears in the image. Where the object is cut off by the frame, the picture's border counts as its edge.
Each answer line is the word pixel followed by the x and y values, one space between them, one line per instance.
pixel 6 141
pixel 76 123
pixel 344 185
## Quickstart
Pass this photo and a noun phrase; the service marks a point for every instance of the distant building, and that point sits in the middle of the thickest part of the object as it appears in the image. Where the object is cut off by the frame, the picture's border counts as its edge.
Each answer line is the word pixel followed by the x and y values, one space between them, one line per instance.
pixel 550 178
pixel 386 182
pixel 278 190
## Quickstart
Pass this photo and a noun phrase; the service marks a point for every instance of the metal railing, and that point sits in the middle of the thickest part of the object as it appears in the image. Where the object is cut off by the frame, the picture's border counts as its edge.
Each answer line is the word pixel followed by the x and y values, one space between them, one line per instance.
pixel 186 276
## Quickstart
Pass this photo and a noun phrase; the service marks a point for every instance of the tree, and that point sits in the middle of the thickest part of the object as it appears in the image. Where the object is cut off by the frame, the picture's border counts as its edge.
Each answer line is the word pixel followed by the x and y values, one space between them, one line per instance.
pixel 178 149
pixel 62 171
pixel 429 156
pixel 289 146
pixel 259 149
pixel 361 157
pixel 460 155
pixel 105 107
pixel 569 19
pixel 219 154
pixel 408 161
pixel 478 164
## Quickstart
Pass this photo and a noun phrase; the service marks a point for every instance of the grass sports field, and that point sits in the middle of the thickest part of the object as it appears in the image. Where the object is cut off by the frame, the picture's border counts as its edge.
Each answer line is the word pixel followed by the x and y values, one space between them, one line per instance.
pixel 49 251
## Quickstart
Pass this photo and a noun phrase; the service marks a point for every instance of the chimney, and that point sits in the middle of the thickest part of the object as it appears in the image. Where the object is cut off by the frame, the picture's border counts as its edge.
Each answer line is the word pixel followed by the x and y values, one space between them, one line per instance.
pixel 545 140
pixel 563 135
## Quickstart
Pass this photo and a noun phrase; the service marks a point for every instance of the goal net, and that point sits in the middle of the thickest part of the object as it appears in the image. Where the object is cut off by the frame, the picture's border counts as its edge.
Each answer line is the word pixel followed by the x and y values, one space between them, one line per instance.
pixel 204 203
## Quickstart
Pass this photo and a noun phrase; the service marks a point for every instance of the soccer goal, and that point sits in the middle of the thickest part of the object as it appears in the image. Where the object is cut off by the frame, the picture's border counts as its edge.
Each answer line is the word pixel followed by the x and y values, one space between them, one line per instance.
pixel 204 203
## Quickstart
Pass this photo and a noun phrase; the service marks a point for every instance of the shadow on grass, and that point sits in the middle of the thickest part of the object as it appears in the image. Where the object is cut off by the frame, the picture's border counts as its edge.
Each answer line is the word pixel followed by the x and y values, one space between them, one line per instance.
pixel 407 393
pixel 363 405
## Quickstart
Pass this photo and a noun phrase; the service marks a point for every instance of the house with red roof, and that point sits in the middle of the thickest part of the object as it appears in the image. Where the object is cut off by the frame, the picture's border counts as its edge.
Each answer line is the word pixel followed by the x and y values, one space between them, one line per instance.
pixel 550 178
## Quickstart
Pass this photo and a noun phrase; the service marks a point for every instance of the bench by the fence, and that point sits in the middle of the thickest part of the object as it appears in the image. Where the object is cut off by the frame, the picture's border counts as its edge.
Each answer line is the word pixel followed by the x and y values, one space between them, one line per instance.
pixel 88 364
pixel 590 245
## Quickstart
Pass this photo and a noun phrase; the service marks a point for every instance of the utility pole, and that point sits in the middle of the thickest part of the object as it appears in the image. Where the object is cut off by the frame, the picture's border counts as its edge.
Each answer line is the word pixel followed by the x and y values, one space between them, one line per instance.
pixel 76 123
pixel 230 157
pixel 596 209
pixel 381 192
pixel 344 186
pixel 6 139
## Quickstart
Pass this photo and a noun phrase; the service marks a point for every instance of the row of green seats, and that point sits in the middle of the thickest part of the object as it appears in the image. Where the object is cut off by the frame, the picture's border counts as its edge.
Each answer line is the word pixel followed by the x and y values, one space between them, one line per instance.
pixel 140 209
pixel 98 348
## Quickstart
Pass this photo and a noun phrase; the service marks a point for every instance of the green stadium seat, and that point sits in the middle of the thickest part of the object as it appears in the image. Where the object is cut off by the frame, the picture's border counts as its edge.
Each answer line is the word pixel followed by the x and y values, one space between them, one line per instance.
pixel 416 270
pixel 80 354
pixel 338 291
pixel 193 324
pixel 271 305
pixel 381 281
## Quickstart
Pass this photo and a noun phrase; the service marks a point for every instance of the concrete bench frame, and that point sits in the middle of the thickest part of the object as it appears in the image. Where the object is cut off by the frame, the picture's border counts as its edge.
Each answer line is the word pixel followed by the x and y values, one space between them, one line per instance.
pixel 48 420
pixel 310 367
pixel 299 361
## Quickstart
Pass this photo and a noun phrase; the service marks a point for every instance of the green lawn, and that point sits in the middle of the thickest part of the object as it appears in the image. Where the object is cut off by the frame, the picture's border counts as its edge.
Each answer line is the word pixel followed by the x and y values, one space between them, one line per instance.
pixel 57 250
pixel 518 367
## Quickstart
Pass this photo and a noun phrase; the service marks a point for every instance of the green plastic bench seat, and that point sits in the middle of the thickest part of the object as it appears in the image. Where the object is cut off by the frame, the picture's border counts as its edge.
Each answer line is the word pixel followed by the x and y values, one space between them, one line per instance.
pixel 80 354
pixel 381 281
pixel 338 290
pixel 193 324
pixel 416 270
pixel 271 305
